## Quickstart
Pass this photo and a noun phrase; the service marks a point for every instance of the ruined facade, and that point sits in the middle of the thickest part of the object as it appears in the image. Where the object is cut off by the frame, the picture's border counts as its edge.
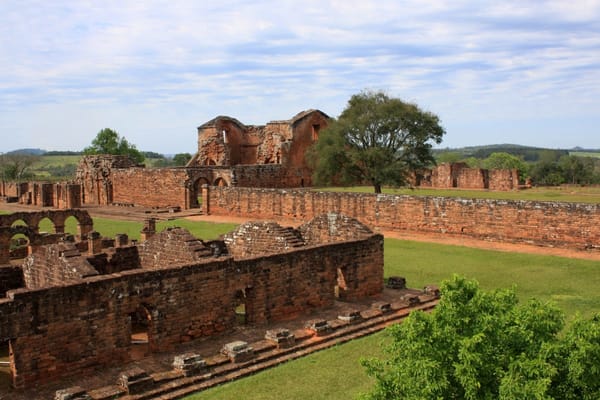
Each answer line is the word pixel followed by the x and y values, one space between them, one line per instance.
pixel 61 195
pixel 76 305
pixel 225 141
pixel 459 175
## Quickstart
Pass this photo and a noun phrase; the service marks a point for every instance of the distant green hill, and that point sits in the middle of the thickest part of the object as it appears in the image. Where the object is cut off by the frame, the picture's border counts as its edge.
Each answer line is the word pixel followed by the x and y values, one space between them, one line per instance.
pixel 528 153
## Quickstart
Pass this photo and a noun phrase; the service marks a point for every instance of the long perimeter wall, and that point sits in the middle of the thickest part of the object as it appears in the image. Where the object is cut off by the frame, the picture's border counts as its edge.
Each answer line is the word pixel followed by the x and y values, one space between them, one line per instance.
pixel 573 225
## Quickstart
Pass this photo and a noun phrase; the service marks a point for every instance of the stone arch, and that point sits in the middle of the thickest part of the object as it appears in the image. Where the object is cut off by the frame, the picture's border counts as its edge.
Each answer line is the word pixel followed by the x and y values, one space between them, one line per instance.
pixel 195 191
pixel 58 217
pixel 220 182
pixel 46 224
pixel 9 232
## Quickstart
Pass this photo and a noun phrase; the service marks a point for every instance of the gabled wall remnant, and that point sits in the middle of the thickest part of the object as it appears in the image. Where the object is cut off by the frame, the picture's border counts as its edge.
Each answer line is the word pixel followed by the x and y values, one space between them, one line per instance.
pixel 76 313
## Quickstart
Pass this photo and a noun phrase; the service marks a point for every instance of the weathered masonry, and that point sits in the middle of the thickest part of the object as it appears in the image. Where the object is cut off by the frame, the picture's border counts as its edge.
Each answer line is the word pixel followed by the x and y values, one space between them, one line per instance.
pixel 573 225
pixel 459 175
pixel 78 305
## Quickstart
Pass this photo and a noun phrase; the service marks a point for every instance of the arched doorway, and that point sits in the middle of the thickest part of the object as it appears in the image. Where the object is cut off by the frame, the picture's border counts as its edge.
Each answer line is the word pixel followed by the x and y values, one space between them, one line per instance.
pixel 197 192
pixel 19 246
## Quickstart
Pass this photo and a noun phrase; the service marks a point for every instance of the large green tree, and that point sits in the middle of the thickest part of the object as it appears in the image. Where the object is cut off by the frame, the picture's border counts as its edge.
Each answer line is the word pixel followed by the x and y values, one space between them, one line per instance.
pixel 378 140
pixel 485 345
pixel 108 141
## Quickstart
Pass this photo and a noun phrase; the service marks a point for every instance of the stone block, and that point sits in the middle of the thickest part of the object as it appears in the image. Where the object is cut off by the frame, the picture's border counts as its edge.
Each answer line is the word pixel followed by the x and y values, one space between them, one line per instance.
pixel 319 326
pixel 283 338
pixel 135 381
pixel 382 306
pixel 432 290
pixel 411 299
pixel 396 282
pixel 350 316
pixel 189 363
pixel 72 393
pixel 238 351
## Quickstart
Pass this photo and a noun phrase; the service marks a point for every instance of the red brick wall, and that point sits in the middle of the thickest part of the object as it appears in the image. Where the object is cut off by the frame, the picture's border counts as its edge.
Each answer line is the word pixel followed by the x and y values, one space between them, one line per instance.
pixel 504 179
pixel 150 187
pixel 74 328
pixel 544 223
pixel 471 178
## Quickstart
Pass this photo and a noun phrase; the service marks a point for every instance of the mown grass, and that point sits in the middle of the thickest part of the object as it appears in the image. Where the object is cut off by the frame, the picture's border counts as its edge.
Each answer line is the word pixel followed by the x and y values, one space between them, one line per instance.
pixel 571 283
pixel 109 227
pixel 335 373
pixel 564 193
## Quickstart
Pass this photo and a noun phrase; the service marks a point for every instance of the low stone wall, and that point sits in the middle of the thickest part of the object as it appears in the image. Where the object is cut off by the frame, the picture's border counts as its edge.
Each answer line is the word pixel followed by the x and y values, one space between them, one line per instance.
pixel 573 225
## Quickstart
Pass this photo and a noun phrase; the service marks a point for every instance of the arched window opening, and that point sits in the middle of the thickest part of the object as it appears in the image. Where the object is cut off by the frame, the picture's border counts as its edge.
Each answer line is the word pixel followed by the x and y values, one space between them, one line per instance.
pixel 72 225
pixel 46 226
pixel 19 244
pixel 220 182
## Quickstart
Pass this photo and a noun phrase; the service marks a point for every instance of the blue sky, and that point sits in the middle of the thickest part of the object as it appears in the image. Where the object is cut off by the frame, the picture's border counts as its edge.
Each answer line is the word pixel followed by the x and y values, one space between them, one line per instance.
pixel 524 72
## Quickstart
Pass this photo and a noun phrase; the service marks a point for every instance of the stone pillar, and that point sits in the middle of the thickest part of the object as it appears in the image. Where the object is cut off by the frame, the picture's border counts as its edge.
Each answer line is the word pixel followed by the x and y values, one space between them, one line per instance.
pixel 148 230
pixel 4 250
pixel 121 240
pixel 94 243
pixel 205 200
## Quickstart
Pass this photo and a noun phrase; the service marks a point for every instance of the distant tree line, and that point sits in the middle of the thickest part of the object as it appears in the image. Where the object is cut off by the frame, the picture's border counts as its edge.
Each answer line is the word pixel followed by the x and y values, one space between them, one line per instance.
pixel 551 168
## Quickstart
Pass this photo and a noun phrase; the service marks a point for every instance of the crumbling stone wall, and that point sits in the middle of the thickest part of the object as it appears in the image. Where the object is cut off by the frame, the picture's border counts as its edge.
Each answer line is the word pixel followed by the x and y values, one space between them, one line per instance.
pixel 31 227
pixel 226 141
pixel 11 277
pixel 472 178
pixel 54 265
pixel 61 195
pixel 252 239
pixel 574 225
pixel 94 175
pixel 459 175
pixel 80 325
pixel 503 179
pixel 150 187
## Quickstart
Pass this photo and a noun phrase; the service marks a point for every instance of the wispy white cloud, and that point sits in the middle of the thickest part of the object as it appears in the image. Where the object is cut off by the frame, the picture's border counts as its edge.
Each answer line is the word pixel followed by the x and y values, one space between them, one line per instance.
pixel 149 67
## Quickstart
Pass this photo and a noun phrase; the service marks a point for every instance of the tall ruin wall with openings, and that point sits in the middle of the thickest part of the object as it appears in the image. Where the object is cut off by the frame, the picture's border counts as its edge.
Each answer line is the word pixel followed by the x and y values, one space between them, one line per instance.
pixel 73 314
pixel 572 225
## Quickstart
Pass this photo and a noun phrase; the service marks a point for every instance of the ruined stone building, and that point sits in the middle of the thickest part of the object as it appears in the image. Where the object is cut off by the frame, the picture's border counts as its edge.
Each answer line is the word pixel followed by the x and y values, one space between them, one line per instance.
pixel 229 154
pixel 459 175
pixel 77 304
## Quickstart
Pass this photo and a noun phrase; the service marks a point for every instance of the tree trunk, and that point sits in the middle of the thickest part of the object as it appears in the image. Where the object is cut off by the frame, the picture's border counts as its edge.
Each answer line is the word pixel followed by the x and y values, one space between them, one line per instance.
pixel 377 187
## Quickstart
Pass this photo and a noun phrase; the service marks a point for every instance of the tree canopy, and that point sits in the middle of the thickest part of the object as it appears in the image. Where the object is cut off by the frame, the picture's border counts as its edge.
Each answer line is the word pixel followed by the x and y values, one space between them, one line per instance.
pixel 378 140
pixel 108 141
pixel 485 345
pixel 16 166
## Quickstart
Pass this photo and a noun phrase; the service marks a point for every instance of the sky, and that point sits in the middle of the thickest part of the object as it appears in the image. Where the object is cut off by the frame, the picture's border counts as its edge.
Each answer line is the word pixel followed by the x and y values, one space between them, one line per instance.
pixel 495 72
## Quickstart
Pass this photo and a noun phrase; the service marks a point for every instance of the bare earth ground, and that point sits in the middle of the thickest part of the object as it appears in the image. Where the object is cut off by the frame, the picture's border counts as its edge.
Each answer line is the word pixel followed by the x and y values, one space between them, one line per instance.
pixel 442 239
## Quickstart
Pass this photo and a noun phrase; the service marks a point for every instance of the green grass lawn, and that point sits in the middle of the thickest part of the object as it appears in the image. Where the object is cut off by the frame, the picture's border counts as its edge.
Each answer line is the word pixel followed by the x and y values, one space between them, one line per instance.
pixel 565 194
pixel 110 227
pixel 336 374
